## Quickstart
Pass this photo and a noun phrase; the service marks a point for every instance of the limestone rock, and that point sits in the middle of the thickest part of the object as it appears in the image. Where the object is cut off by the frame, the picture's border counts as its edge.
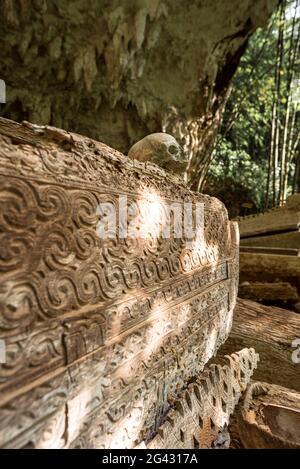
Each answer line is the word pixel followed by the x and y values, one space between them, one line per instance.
pixel 119 70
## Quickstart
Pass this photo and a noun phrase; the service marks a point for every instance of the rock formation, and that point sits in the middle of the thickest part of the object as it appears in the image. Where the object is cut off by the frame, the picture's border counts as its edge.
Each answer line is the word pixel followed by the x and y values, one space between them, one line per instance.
pixel 117 71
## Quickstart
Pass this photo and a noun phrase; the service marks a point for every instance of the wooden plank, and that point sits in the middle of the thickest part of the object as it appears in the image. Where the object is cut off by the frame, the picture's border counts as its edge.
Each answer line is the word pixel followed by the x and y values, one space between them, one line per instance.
pixel 290 240
pixel 277 220
pixel 279 265
pixel 271 332
pixel 270 250
pixel 264 291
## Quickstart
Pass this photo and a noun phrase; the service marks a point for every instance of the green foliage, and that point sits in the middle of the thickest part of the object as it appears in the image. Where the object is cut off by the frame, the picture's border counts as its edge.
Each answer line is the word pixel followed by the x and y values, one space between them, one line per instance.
pixel 237 167
pixel 243 147
pixel 236 179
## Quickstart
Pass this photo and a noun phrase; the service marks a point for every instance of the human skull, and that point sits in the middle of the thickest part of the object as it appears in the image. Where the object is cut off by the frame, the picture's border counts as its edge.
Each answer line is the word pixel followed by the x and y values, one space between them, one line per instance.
pixel 162 149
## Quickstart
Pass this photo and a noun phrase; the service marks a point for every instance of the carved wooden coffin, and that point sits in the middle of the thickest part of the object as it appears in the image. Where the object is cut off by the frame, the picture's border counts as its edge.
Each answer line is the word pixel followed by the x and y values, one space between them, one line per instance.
pixel 100 329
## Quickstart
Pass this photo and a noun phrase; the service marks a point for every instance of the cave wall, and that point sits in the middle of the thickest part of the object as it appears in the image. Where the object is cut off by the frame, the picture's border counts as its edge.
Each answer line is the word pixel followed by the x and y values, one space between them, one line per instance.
pixel 118 70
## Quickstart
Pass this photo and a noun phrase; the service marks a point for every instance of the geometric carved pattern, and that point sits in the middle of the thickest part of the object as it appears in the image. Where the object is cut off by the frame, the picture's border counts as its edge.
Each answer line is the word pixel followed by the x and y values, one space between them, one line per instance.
pixel 99 333
pixel 204 408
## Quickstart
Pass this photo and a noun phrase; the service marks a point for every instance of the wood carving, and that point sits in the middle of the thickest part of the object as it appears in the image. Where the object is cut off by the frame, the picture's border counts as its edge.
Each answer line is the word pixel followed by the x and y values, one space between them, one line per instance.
pixel 204 408
pixel 99 333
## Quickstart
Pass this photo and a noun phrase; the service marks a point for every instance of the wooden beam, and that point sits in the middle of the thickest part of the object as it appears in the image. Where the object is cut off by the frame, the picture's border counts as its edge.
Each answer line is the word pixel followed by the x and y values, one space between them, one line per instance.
pixel 270 250
pixel 277 220
pixel 290 239
pixel 271 332
pixel 264 291
pixel 272 264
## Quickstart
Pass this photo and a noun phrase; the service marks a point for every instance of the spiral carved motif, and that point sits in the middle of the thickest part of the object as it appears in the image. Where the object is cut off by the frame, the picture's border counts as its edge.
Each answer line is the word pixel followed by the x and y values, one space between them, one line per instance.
pixel 111 309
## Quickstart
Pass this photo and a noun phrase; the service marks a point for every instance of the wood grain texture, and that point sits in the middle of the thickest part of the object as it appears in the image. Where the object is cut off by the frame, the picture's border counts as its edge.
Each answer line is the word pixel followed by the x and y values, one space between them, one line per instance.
pixel 264 291
pixel 269 417
pixel 100 332
pixel 271 332
pixel 253 264
pixel 270 246
pixel 289 240
pixel 203 410
pixel 280 219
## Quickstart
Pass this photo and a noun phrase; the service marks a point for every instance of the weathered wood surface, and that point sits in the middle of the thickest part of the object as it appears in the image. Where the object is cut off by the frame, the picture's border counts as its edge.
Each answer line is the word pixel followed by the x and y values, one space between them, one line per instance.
pixel 270 246
pixel 99 332
pixel 264 291
pixel 288 240
pixel 253 264
pixel 270 250
pixel 269 417
pixel 276 269
pixel 203 410
pixel 285 218
pixel 271 332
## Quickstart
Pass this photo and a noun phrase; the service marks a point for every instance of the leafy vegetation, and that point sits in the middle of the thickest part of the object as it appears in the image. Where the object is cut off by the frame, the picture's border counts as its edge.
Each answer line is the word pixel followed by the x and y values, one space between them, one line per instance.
pixel 256 157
